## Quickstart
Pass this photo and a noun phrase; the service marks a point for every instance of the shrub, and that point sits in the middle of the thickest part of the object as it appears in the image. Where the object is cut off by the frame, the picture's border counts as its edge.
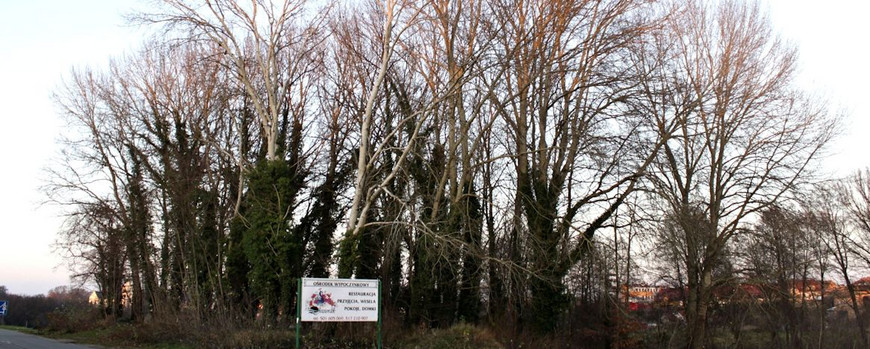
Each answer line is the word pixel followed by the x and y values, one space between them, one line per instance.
pixel 460 336
pixel 73 320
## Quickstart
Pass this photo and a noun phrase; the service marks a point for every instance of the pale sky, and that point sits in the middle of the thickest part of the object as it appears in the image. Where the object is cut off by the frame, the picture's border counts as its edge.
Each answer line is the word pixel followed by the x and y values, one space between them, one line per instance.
pixel 41 40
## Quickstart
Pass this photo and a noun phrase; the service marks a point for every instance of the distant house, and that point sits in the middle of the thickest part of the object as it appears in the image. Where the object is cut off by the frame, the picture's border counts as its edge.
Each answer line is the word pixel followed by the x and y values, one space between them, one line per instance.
pixel 96 298
pixel 639 293
pixel 808 292
pixel 862 293
pixel 741 292
pixel 812 289
pixel 638 296
pixel 670 296
pixel 127 295
pixel 862 285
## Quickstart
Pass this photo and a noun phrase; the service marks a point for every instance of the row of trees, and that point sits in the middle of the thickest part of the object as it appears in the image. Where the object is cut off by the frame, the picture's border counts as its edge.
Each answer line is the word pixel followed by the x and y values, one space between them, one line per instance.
pixel 47 310
pixel 793 274
pixel 822 239
pixel 470 154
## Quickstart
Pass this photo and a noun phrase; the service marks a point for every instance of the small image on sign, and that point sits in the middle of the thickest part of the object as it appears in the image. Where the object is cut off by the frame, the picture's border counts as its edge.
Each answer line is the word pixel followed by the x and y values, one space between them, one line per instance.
pixel 321 303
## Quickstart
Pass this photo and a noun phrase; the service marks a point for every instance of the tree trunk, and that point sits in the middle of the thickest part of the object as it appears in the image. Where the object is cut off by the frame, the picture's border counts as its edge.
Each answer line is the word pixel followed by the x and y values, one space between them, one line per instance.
pixel 859 318
pixel 700 293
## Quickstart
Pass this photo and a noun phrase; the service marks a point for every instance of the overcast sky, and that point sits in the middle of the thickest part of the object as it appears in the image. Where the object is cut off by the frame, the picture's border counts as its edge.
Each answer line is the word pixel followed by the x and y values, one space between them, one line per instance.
pixel 41 40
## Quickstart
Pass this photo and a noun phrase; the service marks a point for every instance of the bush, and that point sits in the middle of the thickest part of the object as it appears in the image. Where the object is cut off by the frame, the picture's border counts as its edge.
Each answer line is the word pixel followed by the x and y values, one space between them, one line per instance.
pixel 249 339
pixel 153 333
pixel 460 336
pixel 73 320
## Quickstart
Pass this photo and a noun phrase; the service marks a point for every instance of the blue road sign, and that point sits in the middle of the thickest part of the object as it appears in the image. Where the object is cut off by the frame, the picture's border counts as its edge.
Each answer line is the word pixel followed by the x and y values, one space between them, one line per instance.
pixel 3 306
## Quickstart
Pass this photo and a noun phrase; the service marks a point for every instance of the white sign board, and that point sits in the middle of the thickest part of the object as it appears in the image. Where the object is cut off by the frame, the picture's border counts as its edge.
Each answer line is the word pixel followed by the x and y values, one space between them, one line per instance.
pixel 339 300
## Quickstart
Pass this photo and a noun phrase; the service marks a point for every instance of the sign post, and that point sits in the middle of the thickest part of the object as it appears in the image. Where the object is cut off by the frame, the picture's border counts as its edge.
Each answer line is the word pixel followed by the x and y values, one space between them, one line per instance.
pixel 298 311
pixel 380 312
pixel 339 300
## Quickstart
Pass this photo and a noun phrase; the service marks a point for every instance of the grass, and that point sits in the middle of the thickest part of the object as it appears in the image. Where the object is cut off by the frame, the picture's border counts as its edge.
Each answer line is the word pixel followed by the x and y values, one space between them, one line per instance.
pixel 117 336
pixel 101 337
pixel 20 329
pixel 176 334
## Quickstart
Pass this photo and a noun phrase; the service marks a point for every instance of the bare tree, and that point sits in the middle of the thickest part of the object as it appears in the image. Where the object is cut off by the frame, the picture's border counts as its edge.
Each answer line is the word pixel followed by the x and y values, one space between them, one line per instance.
pixel 103 154
pixel 829 215
pixel 91 241
pixel 779 256
pixel 857 188
pixel 178 105
pixel 263 44
pixel 398 16
pixel 575 145
pixel 746 138
pixel 842 211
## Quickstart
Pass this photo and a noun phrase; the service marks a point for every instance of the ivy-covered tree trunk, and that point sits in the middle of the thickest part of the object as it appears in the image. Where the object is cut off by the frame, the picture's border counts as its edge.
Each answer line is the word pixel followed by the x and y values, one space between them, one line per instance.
pixel 369 249
pixel 430 279
pixel 472 256
pixel 237 267
pixel 320 224
pixel 549 301
pixel 137 228
pixel 237 264
pixel 274 253
pixel 207 251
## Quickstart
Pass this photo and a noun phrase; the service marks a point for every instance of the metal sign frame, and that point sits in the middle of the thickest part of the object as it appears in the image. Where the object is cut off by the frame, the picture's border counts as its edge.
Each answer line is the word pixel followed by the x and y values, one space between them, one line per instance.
pixel 339 284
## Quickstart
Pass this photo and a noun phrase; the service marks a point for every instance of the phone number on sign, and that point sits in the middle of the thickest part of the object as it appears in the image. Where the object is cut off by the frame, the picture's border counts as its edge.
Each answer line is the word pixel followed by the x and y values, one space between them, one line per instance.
pixel 342 318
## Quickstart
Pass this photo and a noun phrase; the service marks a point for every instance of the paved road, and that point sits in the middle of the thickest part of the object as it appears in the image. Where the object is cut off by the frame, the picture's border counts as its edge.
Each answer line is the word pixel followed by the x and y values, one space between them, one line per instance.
pixel 17 340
